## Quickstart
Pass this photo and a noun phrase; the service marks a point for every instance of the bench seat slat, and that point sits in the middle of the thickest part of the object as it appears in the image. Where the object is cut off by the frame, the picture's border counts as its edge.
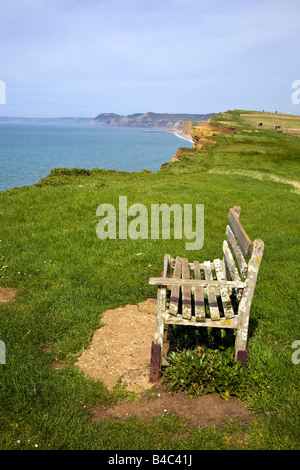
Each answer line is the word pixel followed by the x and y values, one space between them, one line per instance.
pixel 234 246
pixel 186 291
pixel 224 292
pixel 175 290
pixel 230 264
pixel 200 265
pixel 212 299
pixel 199 295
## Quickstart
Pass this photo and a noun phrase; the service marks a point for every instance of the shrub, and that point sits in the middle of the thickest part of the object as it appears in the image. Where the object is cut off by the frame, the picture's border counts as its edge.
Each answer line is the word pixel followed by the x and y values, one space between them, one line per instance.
pixel 69 172
pixel 201 371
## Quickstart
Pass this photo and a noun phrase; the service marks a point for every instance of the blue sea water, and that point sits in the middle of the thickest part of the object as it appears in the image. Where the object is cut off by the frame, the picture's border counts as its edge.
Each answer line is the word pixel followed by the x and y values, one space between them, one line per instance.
pixel 29 151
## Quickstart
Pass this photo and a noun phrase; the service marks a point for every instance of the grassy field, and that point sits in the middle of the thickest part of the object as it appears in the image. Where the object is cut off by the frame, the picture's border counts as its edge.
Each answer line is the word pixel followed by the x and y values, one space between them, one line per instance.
pixel 271 120
pixel 66 278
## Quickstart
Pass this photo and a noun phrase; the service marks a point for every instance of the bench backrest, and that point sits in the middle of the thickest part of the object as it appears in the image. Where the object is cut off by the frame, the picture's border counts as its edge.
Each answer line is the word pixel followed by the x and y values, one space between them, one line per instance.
pixel 237 247
pixel 238 244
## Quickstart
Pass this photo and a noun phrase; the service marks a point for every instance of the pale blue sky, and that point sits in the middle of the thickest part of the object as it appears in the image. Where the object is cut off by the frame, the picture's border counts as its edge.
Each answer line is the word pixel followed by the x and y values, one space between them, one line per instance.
pixel 83 57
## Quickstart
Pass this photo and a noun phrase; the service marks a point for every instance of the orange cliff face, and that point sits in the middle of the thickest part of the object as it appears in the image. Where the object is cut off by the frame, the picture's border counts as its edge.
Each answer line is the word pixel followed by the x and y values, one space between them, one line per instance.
pixel 200 132
pixel 206 129
pixel 201 135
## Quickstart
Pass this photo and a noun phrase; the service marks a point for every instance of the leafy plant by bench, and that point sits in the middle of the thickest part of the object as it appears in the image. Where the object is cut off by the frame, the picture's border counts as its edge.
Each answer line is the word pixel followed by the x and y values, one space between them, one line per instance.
pixel 206 371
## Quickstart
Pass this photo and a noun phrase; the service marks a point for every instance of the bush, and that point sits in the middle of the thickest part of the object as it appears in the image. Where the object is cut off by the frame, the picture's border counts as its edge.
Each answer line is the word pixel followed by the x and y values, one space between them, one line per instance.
pixel 201 371
pixel 69 172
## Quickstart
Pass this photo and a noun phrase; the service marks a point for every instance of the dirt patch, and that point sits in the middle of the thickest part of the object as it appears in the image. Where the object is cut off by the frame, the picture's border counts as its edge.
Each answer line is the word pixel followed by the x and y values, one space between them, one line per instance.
pixel 7 294
pixel 58 365
pixel 202 142
pixel 121 348
pixel 207 410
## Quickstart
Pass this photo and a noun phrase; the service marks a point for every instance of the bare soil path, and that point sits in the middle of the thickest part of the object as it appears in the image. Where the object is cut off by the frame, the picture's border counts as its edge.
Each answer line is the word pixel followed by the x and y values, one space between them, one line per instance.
pixel 7 294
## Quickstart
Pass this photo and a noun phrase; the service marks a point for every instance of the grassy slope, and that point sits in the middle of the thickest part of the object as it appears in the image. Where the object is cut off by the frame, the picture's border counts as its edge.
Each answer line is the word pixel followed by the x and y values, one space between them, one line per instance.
pixel 67 277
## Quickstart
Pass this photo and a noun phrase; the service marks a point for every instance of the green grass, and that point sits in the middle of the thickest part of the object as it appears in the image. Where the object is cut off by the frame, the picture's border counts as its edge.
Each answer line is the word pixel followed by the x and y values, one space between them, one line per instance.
pixel 66 278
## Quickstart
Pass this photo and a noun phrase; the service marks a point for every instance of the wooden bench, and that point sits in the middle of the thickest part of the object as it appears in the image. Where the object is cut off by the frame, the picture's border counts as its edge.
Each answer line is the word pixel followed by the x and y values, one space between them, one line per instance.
pixel 204 294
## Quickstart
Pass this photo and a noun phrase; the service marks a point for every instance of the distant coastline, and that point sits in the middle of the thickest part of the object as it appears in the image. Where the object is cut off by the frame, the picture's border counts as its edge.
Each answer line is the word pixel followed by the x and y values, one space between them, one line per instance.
pixel 48 121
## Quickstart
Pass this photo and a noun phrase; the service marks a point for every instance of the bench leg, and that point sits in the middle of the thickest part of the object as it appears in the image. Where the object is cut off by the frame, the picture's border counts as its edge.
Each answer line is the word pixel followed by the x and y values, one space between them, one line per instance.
pixel 241 355
pixel 241 344
pixel 156 350
pixel 160 315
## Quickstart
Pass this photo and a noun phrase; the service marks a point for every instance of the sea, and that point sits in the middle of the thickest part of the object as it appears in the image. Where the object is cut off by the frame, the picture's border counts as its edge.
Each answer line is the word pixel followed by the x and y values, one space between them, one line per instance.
pixel 28 152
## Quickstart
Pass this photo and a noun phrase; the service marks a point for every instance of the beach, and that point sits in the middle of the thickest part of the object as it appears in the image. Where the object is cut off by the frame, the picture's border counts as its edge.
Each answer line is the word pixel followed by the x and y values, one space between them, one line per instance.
pixel 181 135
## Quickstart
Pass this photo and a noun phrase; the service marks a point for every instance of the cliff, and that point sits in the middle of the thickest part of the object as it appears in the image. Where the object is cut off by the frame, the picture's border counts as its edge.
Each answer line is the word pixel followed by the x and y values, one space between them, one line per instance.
pixel 201 133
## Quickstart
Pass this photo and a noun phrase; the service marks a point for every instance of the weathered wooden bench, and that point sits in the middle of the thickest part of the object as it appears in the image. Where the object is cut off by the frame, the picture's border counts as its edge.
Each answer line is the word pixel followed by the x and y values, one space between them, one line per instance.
pixel 209 294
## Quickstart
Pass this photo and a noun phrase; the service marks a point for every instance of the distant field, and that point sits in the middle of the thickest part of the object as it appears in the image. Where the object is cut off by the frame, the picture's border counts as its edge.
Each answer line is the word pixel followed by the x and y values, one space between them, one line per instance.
pixel 287 123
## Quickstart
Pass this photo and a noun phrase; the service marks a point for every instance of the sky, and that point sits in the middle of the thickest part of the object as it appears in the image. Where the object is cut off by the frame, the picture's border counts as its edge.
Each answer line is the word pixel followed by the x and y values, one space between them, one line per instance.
pixel 80 58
